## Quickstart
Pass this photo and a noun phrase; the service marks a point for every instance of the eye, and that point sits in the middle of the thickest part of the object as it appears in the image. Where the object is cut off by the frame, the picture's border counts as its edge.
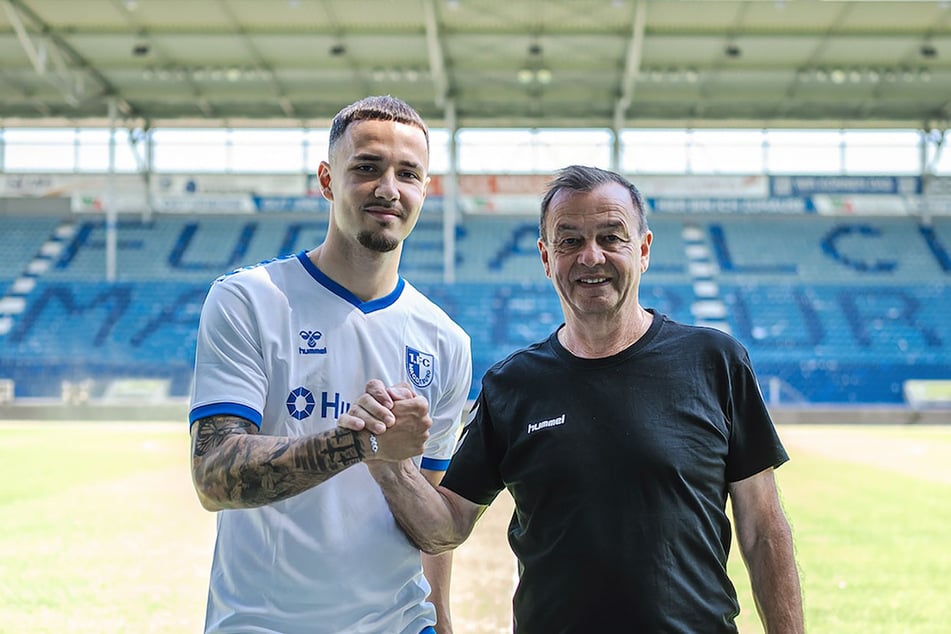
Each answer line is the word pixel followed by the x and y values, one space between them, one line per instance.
pixel 613 240
pixel 411 176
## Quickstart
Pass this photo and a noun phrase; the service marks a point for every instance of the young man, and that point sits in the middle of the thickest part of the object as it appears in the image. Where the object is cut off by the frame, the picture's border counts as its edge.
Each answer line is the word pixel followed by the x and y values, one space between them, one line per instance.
pixel 305 540
pixel 619 438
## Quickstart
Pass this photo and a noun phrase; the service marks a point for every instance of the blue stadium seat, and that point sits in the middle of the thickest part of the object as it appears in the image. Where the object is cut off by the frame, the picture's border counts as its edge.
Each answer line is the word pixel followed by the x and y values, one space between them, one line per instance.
pixel 832 309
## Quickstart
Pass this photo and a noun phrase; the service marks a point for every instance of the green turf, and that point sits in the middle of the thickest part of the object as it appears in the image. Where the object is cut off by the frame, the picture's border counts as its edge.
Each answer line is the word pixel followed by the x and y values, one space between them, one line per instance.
pixel 873 546
pixel 102 533
pixel 51 457
pixel 100 530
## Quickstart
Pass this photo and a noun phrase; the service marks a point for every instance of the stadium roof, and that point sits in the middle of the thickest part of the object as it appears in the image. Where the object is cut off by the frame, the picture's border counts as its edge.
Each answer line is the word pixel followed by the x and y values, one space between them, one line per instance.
pixel 479 63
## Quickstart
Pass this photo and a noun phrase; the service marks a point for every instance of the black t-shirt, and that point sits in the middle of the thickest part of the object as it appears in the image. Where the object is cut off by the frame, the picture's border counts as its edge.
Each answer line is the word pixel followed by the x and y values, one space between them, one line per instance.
pixel 619 469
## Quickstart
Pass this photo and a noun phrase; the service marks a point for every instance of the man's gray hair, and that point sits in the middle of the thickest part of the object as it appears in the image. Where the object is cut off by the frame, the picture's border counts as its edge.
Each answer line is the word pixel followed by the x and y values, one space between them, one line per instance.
pixel 581 178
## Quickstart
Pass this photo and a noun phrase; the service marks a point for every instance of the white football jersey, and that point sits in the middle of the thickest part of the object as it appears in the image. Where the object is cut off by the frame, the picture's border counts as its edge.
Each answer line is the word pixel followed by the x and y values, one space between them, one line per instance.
pixel 284 346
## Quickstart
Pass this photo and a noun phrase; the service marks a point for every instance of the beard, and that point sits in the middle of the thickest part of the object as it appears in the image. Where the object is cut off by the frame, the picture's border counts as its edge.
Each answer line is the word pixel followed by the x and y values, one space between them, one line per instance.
pixel 379 242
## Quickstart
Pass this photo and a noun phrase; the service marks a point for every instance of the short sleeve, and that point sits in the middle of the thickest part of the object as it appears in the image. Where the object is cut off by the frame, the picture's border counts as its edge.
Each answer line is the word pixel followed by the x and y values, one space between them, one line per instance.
pixel 230 376
pixel 449 410
pixel 474 470
pixel 754 443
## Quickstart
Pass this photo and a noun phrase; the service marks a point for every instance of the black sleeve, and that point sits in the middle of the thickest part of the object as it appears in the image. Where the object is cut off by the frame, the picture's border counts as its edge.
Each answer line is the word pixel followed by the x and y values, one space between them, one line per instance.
pixel 474 469
pixel 754 443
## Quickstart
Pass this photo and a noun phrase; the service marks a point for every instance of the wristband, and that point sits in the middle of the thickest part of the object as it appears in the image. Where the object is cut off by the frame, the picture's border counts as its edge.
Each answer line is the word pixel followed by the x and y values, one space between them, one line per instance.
pixel 374 445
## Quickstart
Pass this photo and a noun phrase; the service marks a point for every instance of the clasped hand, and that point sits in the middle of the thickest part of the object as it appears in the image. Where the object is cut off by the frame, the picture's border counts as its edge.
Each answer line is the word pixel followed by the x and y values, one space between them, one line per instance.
pixel 396 415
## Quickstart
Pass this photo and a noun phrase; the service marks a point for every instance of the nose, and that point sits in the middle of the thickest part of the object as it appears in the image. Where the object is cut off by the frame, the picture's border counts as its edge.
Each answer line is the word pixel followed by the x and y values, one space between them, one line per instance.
pixel 591 254
pixel 386 188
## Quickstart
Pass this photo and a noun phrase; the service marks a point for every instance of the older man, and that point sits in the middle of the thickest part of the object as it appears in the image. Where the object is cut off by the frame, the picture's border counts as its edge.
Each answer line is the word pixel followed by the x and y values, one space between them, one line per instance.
pixel 620 438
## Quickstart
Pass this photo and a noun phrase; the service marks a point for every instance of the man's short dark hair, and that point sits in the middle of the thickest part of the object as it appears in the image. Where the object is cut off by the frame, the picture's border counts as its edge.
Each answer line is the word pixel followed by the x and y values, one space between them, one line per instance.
pixel 377 108
pixel 581 178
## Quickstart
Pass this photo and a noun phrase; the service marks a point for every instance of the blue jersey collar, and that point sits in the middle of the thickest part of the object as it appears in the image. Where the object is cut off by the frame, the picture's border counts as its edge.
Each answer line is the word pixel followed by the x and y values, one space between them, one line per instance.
pixel 335 288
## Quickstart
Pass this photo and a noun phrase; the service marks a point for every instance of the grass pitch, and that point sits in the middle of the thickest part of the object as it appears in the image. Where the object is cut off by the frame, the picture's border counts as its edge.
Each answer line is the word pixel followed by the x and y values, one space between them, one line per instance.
pixel 102 533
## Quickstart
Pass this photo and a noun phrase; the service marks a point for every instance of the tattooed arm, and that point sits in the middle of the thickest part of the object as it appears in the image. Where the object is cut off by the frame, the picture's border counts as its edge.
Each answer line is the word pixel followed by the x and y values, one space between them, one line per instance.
pixel 233 466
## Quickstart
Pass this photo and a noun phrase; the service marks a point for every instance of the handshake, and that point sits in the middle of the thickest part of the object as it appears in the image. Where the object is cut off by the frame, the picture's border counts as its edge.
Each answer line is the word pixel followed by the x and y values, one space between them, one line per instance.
pixel 391 423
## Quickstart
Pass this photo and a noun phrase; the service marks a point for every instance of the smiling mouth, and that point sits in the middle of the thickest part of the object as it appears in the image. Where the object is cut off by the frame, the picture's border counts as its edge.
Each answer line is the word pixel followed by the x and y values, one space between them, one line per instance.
pixel 383 212
pixel 591 281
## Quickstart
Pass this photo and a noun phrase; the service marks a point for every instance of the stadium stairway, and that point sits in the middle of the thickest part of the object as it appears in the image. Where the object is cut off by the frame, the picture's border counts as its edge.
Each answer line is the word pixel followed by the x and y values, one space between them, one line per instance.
pixel 30 245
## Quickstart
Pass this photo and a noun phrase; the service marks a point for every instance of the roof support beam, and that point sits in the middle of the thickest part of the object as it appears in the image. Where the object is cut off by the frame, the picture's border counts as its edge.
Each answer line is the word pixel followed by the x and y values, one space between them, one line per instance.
pixel 40 54
pixel 71 81
pixel 437 61
pixel 632 64
pixel 37 55
pixel 450 197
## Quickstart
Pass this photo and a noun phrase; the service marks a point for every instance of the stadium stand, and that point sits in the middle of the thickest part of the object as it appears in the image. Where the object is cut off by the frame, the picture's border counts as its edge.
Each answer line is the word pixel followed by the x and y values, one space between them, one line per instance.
pixel 837 309
pixel 21 239
pixel 833 309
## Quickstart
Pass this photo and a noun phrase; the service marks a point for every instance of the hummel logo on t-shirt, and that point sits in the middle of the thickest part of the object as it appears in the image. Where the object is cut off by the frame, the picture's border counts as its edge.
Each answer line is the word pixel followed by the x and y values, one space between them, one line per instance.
pixel 545 424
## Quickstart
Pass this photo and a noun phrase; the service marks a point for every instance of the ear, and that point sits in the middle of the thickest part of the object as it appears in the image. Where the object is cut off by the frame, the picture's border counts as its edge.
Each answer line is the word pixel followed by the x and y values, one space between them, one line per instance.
pixel 544 253
pixel 323 177
pixel 426 183
pixel 646 250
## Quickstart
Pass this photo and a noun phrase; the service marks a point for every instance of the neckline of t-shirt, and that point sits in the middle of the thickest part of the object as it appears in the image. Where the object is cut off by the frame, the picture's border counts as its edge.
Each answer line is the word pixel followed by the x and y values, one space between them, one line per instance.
pixel 619 357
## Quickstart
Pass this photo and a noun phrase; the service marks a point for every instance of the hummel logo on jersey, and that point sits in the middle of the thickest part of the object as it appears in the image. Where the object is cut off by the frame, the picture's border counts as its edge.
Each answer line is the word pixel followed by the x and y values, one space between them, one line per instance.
pixel 472 413
pixel 465 430
pixel 462 438
pixel 419 366
pixel 311 337
pixel 545 424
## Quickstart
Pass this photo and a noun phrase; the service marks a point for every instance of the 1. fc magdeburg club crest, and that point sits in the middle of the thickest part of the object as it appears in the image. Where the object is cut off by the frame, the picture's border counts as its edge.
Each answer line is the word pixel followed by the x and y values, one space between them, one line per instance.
pixel 419 366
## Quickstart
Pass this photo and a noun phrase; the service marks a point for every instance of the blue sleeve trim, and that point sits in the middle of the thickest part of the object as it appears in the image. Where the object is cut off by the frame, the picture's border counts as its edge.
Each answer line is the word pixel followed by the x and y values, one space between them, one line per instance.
pixel 434 465
pixel 225 409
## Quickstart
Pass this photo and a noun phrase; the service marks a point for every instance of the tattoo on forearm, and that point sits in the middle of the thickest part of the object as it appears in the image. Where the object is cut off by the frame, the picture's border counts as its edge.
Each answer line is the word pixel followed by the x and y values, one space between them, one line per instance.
pixel 238 468
pixel 212 432
pixel 339 448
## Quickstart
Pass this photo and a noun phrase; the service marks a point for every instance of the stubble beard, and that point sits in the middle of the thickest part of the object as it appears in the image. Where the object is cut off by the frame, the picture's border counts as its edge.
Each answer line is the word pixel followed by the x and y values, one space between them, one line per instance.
pixel 379 242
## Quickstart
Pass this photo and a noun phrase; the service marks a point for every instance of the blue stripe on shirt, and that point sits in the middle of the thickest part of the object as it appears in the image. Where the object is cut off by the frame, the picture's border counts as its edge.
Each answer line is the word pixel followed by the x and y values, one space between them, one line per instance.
pixel 434 465
pixel 225 409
